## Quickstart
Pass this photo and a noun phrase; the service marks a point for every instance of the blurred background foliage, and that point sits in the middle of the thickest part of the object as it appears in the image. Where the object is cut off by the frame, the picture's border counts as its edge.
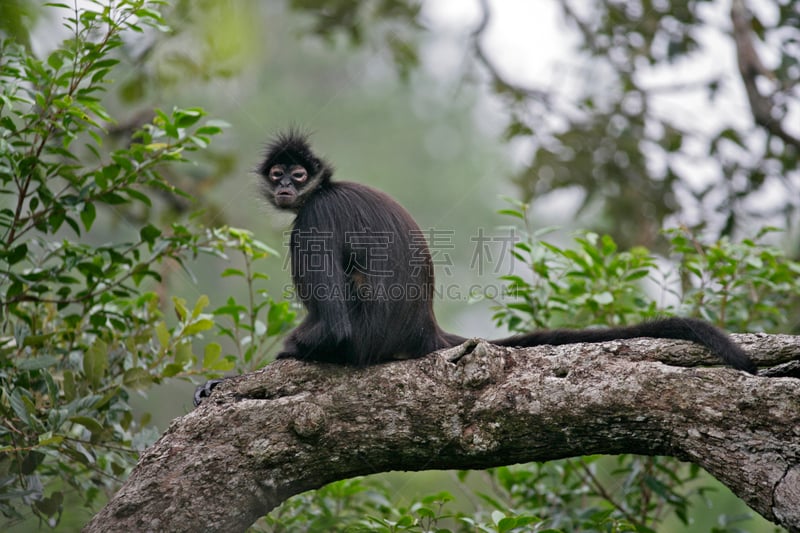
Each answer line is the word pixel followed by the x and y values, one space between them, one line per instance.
pixel 650 114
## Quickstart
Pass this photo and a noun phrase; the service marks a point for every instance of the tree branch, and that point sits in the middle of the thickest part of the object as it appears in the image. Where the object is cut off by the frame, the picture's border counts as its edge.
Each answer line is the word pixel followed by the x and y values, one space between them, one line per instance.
pixel 263 437
pixel 750 67
pixel 501 83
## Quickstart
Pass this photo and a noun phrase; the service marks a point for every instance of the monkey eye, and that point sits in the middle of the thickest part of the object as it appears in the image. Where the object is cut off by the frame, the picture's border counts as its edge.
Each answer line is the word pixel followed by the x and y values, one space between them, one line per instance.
pixel 299 176
pixel 276 174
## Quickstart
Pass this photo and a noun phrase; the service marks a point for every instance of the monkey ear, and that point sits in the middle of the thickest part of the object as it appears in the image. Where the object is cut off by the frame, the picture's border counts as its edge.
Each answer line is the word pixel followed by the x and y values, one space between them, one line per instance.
pixel 316 165
pixel 263 168
pixel 323 169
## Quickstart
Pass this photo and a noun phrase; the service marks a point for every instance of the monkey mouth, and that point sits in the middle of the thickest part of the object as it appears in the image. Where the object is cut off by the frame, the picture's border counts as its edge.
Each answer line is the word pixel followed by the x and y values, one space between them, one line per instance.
pixel 285 198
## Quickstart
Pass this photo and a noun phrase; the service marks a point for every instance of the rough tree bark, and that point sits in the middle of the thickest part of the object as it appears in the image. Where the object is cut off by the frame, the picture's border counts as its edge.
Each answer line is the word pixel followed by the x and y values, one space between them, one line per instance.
pixel 294 426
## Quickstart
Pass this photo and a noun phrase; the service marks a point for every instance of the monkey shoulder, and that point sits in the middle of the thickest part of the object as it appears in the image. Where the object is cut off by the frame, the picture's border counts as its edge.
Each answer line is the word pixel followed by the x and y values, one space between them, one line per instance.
pixel 350 206
pixel 359 194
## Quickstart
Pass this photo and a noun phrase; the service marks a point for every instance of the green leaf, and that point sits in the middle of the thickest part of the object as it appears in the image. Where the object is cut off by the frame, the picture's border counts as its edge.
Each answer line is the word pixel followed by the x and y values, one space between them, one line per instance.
pixel 149 234
pixel 180 307
pixel 141 271
pixel 212 353
pixel 263 247
pixel 104 63
pixel 37 363
pixel 52 440
pixel 55 219
pixel 506 524
pixel 732 135
pixel 183 354
pixel 405 522
pixel 162 332
pixel 20 407
pixel 88 215
pixel 147 13
pixel 512 213
pixel 95 363
pixel 172 369
pixel 69 386
pixel 232 309
pixel 197 326
pixel 224 364
pixel 187 117
pixel 112 198
pixel 208 130
pixel 89 423
pixel 217 123
pixel 107 175
pixel 279 318
pixel 89 269
pixel 202 303
pixel 137 378
pixel 50 505
pixel 155 147
pixel 55 60
pixel 637 274
pixel 17 254
pixel 136 195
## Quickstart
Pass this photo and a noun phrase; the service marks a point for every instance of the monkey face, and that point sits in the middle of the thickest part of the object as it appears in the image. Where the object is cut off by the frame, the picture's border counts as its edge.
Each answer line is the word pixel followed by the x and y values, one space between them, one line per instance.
pixel 286 182
pixel 291 173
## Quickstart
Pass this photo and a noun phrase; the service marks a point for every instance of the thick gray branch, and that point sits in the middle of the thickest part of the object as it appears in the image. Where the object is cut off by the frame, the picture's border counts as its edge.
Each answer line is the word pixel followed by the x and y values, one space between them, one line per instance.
pixel 266 436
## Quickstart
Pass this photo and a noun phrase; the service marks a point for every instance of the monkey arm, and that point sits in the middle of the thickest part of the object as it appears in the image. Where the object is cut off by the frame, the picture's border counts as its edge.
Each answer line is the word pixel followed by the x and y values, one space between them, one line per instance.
pixel 324 289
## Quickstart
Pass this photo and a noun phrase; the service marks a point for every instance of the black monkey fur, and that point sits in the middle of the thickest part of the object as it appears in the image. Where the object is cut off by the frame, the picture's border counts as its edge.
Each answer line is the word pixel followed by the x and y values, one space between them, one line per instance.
pixel 363 271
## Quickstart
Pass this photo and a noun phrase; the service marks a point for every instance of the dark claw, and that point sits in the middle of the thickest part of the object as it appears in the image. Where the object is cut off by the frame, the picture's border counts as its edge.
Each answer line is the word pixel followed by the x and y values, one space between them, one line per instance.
pixel 204 391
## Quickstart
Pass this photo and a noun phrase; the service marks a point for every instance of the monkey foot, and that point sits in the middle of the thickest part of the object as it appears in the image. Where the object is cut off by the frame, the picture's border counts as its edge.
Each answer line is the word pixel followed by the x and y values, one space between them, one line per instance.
pixel 465 348
pixel 204 391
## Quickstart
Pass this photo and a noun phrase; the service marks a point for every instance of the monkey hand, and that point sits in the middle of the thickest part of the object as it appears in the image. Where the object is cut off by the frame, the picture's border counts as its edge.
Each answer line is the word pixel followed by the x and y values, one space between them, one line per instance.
pixel 201 392
pixel 465 348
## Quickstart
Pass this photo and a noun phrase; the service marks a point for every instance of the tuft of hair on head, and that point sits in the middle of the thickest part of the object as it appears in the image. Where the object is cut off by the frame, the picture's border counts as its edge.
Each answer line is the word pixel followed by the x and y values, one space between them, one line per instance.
pixel 291 147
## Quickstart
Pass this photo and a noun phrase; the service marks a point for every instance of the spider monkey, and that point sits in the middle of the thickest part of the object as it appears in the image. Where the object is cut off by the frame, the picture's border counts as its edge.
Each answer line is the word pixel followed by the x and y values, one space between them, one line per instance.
pixel 362 269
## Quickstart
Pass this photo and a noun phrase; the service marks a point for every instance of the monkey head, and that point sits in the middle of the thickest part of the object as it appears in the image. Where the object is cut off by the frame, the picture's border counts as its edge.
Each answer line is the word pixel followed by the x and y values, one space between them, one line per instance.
pixel 291 172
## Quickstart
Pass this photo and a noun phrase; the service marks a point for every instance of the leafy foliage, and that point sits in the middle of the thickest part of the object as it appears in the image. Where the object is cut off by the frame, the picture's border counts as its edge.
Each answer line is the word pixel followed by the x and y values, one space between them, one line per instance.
pixel 593 284
pixel 82 325
pixel 253 338
pixel 558 496
pixel 743 286
pixel 738 286
pixel 395 20
pixel 627 142
pixel 369 505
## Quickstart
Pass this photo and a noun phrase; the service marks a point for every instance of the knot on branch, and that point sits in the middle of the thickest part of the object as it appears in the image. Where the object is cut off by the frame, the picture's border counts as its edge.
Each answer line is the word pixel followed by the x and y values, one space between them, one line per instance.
pixel 309 420
pixel 480 363
pixel 786 494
